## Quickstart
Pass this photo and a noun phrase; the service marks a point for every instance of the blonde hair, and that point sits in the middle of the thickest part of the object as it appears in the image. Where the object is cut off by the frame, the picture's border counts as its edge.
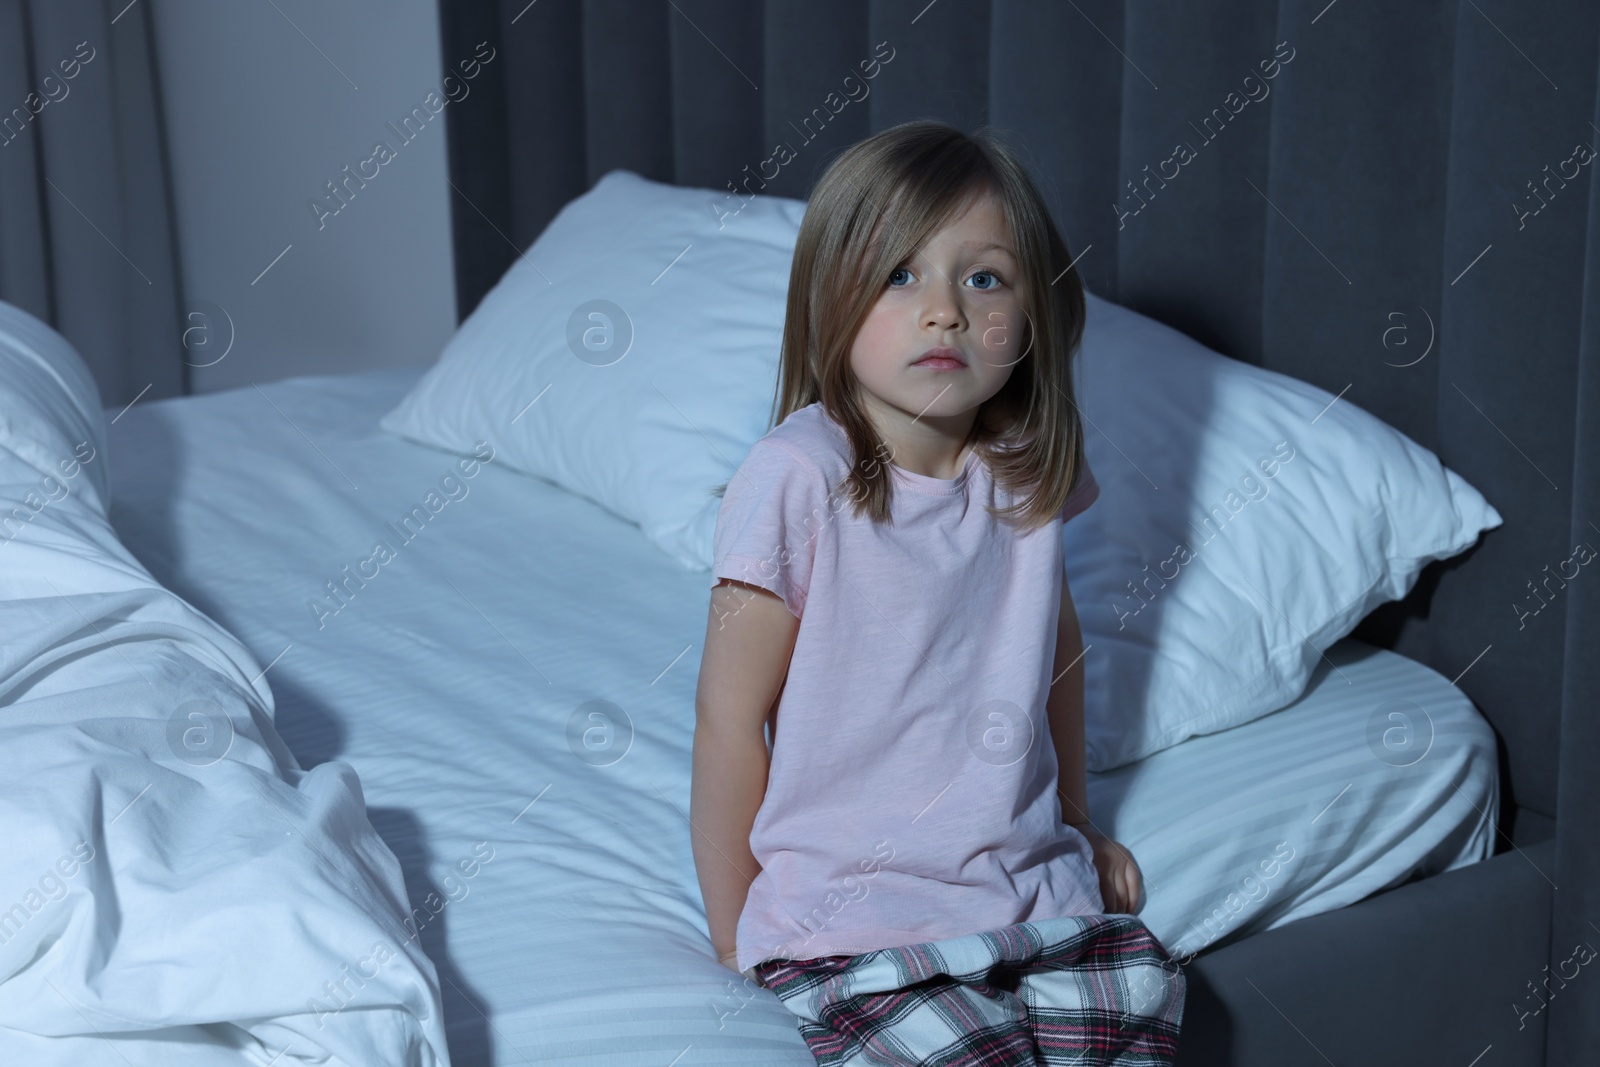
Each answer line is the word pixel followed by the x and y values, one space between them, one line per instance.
pixel 871 210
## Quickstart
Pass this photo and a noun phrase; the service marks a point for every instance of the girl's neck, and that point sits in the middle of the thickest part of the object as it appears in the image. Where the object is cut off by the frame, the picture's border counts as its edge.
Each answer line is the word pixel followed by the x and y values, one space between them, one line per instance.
pixel 933 446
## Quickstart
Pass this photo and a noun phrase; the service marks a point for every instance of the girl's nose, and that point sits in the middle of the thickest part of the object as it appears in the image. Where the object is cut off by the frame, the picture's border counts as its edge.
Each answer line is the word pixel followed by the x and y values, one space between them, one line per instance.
pixel 943 309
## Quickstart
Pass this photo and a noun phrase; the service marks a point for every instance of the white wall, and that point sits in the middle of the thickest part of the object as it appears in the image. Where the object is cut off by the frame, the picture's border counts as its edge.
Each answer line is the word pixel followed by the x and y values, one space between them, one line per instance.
pixel 260 115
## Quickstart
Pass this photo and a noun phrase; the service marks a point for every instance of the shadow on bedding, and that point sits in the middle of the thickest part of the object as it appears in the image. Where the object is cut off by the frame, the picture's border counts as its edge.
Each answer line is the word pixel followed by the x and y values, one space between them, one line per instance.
pixel 465 1009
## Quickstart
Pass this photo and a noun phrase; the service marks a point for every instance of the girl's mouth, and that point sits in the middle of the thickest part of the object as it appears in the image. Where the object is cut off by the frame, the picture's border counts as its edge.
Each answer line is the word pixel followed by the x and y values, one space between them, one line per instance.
pixel 941 359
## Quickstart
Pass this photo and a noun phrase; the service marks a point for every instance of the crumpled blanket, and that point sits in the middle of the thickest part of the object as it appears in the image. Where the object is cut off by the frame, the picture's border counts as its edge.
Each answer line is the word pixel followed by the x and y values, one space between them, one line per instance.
pixel 1082 990
pixel 175 888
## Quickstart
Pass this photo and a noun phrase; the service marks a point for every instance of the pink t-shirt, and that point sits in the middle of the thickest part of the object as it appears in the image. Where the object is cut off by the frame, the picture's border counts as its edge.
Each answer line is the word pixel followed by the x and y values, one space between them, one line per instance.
pixel 912 789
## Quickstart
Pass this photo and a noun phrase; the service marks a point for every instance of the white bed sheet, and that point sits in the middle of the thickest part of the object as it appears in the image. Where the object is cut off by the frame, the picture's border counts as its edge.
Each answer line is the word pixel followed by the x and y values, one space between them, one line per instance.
pixel 457 677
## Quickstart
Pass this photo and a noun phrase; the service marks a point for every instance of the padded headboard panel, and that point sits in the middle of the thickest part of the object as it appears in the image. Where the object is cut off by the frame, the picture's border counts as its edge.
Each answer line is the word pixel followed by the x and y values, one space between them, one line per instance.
pixel 1402 214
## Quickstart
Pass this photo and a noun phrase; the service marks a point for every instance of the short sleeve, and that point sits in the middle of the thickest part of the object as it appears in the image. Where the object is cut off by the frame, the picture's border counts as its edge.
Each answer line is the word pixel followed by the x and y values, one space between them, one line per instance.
pixel 775 508
pixel 1087 492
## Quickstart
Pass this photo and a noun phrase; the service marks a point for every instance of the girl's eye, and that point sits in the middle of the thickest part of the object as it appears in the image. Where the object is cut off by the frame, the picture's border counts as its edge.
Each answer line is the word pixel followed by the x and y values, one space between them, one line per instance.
pixel 994 280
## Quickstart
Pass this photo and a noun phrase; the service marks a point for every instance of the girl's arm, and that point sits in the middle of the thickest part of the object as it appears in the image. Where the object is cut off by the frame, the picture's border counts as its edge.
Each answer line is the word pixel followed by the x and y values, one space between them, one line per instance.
pixel 1119 874
pixel 1065 708
pixel 749 638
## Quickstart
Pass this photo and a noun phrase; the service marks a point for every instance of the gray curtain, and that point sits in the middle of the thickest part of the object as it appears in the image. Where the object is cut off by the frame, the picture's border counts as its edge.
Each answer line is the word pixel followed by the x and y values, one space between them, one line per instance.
pixel 86 238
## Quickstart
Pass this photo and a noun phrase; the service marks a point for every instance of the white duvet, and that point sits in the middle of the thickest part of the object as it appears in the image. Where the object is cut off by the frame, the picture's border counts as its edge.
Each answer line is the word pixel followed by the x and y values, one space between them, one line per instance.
pixel 174 888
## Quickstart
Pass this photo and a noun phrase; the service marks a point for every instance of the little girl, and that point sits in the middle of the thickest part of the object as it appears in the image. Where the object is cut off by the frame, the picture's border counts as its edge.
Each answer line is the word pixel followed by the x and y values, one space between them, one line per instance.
pixel 889 600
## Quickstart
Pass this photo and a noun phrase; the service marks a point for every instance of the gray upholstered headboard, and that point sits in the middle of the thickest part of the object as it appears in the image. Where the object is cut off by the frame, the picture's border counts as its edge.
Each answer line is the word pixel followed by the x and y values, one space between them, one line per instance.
pixel 1392 201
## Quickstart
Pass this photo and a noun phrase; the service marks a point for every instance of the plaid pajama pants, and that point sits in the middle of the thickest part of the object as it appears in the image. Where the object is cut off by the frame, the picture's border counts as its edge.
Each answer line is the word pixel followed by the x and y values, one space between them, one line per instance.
pixel 1083 990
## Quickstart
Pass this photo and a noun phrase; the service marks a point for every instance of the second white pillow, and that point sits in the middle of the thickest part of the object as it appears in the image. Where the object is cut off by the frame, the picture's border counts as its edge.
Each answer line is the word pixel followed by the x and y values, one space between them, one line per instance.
pixel 1246 521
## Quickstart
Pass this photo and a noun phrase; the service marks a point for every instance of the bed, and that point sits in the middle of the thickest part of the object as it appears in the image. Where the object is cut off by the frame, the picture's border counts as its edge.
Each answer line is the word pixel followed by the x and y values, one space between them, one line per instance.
pixel 454 691
pixel 450 680
pixel 435 811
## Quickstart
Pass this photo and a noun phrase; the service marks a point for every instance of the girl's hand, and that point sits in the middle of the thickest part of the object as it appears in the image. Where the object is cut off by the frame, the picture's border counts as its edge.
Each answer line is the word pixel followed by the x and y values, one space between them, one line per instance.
pixel 1119 874
pixel 727 960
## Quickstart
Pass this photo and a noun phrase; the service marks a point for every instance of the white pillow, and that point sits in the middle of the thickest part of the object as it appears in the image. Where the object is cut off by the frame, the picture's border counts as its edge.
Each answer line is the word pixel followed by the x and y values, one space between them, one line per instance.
pixel 1316 512
pixel 672 391
pixel 50 415
pixel 650 403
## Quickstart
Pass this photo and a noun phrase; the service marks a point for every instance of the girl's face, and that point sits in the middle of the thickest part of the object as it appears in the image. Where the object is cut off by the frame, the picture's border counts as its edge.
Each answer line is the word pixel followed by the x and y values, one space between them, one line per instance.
pixel 958 292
